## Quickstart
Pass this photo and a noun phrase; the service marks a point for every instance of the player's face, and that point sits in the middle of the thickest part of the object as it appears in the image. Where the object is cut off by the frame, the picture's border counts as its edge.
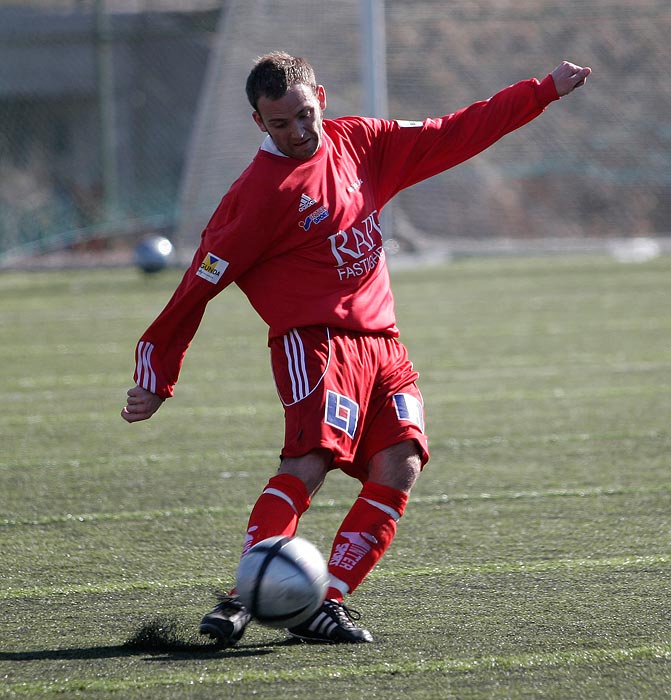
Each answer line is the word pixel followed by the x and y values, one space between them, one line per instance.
pixel 294 121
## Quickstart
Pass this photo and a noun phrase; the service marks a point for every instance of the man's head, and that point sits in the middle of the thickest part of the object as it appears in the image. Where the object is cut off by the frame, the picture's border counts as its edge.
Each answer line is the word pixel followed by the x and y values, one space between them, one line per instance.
pixel 287 102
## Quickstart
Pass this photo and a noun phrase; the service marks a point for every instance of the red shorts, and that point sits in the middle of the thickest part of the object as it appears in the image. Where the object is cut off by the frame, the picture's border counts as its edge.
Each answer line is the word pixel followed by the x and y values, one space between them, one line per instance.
pixel 351 393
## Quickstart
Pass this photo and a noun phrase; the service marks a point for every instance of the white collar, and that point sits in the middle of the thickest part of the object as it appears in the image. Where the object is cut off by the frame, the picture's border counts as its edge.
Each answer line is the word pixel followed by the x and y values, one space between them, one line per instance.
pixel 269 145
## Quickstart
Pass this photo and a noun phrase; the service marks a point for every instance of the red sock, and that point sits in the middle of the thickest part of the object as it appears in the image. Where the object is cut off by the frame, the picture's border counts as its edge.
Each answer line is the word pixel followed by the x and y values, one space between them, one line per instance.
pixel 277 510
pixel 364 536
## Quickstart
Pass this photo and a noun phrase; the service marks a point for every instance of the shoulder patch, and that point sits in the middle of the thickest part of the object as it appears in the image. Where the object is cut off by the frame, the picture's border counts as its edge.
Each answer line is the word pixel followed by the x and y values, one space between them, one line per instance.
pixel 212 268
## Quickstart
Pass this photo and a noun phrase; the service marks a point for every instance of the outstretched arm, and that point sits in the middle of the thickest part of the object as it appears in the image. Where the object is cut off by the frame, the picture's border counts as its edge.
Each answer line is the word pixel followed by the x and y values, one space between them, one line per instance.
pixel 140 405
pixel 567 77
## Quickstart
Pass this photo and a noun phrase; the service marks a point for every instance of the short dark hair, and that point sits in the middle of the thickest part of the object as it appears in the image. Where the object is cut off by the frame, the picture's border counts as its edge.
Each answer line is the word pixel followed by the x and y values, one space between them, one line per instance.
pixel 275 73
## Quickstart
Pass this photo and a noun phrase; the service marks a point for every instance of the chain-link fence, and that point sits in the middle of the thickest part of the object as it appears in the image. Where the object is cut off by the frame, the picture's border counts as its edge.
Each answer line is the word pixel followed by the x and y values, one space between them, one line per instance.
pixel 96 108
pixel 100 101
pixel 598 164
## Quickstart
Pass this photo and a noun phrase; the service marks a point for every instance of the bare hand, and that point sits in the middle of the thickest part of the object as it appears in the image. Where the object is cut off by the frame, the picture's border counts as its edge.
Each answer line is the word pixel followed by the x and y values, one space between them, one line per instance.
pixel 567 77
pixel 140 405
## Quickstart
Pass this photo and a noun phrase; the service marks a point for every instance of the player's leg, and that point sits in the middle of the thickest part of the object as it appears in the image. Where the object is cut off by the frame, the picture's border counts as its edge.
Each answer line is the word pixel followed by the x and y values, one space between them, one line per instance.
pixel 286 497
pixel 299 362
pixel 391 453
pixel 276 512
pixel 364 536
pixel 370 526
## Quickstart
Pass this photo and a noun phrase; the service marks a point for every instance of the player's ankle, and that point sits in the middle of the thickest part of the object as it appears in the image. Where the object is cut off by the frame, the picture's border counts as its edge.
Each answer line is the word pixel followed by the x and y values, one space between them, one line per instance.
pixel 334 594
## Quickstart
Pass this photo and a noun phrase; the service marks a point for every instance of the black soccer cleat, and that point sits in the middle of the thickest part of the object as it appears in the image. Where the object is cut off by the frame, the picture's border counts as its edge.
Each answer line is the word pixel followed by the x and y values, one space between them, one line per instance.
pixel 227 621
pixel 333 623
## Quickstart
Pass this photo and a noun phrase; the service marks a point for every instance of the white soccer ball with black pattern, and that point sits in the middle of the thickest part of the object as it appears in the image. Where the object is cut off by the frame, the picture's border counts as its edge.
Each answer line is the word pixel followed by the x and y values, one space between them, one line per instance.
pixel 282 581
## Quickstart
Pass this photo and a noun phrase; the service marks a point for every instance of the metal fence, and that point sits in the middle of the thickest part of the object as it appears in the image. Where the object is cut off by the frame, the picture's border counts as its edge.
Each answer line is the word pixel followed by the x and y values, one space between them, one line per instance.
pixel 96 109
pixel 100 103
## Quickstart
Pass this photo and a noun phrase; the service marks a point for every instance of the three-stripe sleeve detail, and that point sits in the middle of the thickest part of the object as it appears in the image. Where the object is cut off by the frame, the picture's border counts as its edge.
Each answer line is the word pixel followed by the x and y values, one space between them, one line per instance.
pixel 146 377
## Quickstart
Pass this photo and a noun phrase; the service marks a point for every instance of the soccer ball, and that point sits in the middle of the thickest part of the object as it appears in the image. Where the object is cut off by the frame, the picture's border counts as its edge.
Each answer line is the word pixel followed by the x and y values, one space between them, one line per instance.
pixel 282 581
pixel 154 253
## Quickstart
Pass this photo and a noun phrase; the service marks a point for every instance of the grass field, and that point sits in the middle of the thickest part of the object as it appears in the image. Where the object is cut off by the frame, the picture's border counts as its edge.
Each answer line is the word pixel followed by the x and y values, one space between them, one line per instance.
pixel 533 562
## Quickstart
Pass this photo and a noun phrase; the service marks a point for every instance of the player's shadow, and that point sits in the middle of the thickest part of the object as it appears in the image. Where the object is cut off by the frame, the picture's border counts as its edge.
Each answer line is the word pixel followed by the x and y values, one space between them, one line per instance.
pixel 186 651
pixel 160 638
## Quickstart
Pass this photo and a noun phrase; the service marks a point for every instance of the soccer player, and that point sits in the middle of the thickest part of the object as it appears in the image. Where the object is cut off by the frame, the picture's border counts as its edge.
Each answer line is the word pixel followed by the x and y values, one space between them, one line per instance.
pixel 299 233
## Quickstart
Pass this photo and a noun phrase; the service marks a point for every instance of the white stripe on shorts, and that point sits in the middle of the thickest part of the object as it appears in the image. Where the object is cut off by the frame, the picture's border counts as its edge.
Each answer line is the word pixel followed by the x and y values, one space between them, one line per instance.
pixel 295 352
pixel 297 366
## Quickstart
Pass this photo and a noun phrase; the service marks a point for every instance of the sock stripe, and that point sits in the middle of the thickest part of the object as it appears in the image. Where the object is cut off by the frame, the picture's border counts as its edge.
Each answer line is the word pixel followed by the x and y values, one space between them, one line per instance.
pixel 280 494
pixel 386 496
pixel 338 585
pixel 384 508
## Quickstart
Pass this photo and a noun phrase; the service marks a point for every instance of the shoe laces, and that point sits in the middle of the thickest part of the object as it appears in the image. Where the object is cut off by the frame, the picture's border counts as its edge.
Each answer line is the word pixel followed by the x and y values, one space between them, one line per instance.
pixel 228 600
pixel 346 616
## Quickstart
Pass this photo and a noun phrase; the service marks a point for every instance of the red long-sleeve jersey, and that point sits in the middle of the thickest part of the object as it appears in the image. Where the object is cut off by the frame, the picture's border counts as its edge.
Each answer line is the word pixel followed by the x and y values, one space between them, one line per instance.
pixel 302 239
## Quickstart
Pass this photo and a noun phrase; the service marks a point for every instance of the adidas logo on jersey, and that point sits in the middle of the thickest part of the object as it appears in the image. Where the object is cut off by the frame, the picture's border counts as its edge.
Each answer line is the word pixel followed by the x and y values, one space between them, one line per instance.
pixel 306 203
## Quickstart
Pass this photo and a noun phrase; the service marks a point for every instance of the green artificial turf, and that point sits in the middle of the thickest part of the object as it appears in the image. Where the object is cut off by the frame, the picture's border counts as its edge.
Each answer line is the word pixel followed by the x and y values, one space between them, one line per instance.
pixel 533 561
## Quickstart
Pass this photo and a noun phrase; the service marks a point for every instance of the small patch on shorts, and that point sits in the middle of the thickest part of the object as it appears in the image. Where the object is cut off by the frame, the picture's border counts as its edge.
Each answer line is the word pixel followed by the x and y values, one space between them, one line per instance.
pixel 341 413
pixel 409 407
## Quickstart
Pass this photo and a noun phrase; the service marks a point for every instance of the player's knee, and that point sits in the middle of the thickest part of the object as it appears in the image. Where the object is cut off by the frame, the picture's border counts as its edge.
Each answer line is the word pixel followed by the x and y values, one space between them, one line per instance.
pixel 311 468
pixel 397 466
